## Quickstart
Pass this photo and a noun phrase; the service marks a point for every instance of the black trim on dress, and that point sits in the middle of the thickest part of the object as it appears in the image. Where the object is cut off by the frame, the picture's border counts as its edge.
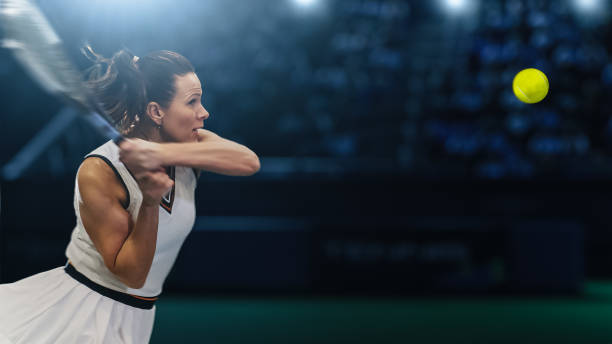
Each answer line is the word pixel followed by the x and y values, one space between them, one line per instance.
pixel 127 299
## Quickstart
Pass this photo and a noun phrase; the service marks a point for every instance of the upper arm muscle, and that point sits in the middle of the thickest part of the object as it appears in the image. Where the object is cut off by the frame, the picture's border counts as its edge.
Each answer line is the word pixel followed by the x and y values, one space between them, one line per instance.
pixel 106 221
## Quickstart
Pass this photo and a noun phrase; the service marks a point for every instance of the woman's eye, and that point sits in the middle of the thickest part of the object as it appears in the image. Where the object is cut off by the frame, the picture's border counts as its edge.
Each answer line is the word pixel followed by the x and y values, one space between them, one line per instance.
pixel 191 102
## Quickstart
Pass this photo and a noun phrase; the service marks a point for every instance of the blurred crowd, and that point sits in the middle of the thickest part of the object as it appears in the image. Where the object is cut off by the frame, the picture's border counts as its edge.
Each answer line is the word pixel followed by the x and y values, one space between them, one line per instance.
pixel 400 81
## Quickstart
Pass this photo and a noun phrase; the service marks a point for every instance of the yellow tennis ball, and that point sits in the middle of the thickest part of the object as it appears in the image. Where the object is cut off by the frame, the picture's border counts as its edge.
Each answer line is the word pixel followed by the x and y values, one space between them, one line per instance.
pixel 530 85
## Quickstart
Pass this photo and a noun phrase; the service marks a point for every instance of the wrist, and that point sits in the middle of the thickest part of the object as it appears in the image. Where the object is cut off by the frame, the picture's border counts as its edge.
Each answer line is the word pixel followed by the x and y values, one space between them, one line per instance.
pixel 149 203
pixel 163 153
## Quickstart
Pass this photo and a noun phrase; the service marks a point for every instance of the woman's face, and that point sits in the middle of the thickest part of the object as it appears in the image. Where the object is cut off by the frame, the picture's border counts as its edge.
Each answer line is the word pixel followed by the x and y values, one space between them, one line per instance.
pixel 185 114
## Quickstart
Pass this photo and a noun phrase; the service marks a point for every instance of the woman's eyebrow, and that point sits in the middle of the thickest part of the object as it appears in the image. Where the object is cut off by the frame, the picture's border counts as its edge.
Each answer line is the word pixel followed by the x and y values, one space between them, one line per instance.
pixel 191 93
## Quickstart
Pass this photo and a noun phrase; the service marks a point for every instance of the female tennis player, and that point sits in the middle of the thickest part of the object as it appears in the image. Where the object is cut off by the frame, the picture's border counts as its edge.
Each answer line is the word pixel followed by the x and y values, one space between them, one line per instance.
pixel 134 206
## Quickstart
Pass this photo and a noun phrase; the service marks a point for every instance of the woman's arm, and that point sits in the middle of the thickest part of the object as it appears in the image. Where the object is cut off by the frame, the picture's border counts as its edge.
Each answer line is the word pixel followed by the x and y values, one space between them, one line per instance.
pixel 127 248
pixel 211 153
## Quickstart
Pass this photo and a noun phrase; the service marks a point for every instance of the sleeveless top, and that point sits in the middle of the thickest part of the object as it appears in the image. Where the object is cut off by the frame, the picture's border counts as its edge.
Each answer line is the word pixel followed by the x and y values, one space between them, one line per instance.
pixel 176 219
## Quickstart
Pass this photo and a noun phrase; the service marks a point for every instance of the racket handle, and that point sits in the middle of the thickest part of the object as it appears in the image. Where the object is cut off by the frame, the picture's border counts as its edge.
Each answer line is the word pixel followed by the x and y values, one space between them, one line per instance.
pixel 105 128
pixel 117 140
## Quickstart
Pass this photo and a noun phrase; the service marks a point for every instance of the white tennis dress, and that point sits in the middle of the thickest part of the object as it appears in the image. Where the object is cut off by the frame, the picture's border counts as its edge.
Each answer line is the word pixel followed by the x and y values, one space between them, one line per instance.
pixel 57 307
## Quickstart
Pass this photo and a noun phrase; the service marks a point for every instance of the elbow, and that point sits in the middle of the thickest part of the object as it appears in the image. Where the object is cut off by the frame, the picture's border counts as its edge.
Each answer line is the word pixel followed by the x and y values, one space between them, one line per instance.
pixel 255 165
pixel 131 280
pixel 137 284
pixel 134 283
pixel 252 165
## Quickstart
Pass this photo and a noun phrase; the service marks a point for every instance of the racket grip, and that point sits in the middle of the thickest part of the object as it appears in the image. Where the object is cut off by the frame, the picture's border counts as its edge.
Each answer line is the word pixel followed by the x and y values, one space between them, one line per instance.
pixel 105 128
pixel 117 140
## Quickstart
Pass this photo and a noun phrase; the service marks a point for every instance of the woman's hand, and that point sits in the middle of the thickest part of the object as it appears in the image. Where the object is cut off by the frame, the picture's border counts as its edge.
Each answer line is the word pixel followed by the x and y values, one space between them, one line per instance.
pixel 142 159
pixel 140 155
pixel 154 185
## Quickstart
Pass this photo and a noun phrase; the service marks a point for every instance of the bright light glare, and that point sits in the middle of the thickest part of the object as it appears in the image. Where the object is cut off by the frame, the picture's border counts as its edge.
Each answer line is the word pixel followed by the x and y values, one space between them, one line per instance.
pixel 455 4
pixel 305 2
pixel 456 7
pixel 588 5
pixel 308 7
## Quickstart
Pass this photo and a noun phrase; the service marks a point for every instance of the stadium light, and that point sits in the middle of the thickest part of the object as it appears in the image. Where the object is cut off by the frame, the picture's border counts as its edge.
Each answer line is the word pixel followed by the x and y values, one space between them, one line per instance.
pixel 458 6
pixel 592 12
pixel 588 5
pixel 305 2
pixel 455 5
pixel 309 7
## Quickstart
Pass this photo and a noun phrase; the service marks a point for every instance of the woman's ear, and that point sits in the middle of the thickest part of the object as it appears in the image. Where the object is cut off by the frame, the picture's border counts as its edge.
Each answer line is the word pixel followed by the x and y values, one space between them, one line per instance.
pixel 155 113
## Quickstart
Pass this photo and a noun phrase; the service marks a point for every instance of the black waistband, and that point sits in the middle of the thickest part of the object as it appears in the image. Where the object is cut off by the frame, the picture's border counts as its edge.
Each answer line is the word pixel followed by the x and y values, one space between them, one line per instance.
pixel 130 300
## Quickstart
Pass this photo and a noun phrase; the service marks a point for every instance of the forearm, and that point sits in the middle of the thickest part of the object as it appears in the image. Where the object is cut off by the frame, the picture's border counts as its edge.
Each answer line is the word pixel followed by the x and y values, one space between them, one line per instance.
pixel 135 258
pixel 218 156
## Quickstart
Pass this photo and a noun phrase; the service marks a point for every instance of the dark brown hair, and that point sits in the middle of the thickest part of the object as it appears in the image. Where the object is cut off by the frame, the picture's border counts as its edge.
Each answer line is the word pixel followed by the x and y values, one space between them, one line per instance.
pixel 124 87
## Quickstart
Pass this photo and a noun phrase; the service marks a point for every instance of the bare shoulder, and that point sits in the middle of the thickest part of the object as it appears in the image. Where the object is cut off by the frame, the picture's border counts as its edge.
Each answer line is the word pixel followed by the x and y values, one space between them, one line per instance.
pixel 96 177
pixel 95 171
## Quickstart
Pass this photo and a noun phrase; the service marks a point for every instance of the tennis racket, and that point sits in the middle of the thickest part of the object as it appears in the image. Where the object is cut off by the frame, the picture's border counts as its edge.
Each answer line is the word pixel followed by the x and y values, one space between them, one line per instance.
pixel 39 49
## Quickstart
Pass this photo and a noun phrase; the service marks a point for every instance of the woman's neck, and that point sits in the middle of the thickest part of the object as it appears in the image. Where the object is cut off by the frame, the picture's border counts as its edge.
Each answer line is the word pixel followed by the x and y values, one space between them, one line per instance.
pixel 149 134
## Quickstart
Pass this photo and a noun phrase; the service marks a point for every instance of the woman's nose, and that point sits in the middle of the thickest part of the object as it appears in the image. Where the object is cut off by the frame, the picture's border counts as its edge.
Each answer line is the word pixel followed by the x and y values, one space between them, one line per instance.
pixel 203 114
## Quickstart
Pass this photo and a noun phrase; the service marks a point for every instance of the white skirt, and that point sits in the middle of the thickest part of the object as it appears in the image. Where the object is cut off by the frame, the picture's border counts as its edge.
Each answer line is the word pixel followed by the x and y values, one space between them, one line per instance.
pixel 52 307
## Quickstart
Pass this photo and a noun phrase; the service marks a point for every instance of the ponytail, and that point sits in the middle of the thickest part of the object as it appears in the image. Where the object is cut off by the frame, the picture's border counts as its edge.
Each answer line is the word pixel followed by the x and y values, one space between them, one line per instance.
pixel 119 85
